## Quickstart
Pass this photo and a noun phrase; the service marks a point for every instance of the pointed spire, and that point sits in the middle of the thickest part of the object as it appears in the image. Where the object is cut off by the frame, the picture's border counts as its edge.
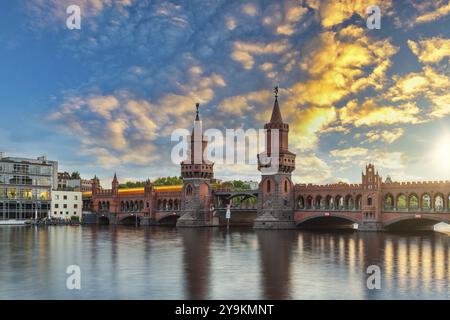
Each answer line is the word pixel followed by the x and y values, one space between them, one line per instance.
pixel 197 118
pixel 276 113
pixel 115 177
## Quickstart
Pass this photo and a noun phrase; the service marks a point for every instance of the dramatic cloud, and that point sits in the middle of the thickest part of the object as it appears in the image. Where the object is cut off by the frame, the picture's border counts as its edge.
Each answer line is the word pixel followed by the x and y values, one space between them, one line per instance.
pixel 431 50
pixel 331 13
pixel 440 8
pixel 370 113
pixel 387 136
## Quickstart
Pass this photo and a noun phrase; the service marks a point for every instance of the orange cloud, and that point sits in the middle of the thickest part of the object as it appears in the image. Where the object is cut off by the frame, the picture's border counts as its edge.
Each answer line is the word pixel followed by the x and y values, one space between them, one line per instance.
pixel 370 113
pixel 431 50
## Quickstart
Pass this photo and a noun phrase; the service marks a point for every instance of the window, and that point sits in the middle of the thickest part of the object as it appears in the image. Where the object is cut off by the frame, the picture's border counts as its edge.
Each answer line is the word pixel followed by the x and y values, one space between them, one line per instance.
pixel 76 198
pixel 57 197
pixel 56 206
pixel 75 206
pixel 369 201
pixel 285 186
pixel 268 186
pixel 65 206
pixel 65 197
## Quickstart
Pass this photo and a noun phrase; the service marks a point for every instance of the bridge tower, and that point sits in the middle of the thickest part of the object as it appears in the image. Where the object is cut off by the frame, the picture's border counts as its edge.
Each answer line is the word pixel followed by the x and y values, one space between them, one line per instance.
pixel 197 172
pixel 371 201
pixel 276 164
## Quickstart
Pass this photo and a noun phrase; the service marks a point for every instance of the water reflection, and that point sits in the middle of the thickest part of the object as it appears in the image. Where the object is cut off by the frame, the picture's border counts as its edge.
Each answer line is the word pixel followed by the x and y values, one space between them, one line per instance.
pixel 169 263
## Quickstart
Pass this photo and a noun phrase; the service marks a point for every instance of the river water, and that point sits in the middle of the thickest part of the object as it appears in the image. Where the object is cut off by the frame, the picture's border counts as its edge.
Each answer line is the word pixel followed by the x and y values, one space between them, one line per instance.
pixel 169 263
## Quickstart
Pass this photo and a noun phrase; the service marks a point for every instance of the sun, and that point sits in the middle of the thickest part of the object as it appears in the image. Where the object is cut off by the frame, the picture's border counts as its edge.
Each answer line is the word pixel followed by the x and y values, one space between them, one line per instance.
pixel 440 155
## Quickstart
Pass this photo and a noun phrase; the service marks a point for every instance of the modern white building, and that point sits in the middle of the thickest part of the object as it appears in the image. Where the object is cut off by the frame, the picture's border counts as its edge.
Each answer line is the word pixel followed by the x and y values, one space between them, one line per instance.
pixel 66 204
pixel 25 187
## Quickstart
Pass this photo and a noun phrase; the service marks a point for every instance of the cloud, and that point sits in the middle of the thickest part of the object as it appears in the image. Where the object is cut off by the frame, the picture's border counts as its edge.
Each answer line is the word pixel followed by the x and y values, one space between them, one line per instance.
pixel 440 9
pixel 370 113
pixel 349 152
pixel 332 13
pixel 341 64
pixel 120 127
pixel 441 105
pixel 244 104
pixel 387 136
pixel 431 50
pixel 311 169
pixel 245 52
pixel 45 13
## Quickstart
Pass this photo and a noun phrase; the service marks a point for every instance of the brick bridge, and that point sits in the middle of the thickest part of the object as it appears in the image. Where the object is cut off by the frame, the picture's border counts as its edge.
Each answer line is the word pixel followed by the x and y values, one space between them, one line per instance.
pixel 278 203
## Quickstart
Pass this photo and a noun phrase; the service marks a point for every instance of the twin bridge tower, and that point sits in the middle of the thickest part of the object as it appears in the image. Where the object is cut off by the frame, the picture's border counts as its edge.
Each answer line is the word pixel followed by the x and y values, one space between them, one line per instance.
pixel 275 198
pixel 372 204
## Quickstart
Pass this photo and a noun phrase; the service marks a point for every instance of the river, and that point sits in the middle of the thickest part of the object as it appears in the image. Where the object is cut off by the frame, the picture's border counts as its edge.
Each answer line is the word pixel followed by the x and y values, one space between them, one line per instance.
pixel 210 263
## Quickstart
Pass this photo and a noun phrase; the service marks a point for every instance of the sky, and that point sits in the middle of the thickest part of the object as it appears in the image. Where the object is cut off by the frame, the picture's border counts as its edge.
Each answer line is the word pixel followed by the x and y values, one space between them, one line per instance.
pixel 106 98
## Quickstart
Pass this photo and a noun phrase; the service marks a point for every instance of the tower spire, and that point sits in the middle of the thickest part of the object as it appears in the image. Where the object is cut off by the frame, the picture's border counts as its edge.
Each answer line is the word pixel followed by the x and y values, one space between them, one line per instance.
pixel 197 117
pixel 276 113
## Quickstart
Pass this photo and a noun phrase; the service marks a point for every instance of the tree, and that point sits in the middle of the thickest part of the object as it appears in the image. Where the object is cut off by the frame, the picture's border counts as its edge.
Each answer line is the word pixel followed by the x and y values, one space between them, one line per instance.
pixel 168 181
pixel 75 175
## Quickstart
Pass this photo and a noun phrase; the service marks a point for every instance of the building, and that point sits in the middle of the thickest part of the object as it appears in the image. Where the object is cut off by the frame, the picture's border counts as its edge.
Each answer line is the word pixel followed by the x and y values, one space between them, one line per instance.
pixel 372 205
pixel 67 182
pixel 66 205
pixel 26 186
pixel 86 185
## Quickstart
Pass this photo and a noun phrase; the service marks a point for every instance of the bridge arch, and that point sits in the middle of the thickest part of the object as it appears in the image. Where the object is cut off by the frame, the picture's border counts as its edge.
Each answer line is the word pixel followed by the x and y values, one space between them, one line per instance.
pixel 410 222
pixel 333 221
pixel 103 220
pixel 130 220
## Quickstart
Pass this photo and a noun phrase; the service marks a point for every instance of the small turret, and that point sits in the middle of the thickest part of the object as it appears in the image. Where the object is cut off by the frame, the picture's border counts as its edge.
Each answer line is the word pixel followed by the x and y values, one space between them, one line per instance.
pixel 115 184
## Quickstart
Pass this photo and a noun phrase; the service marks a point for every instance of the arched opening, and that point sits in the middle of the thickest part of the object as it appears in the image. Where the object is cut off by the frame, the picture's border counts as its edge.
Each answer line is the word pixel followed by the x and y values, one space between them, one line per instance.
pixel 388 202
pixel 439 202
pixel 300 203
pixel 348 203
pixel 127 206
pixel 286 190
pixel 103 220
pixel 319 203
pixel 327 223
pixel 413 202
pixel 159 204
pixel 401 202
pixel 369 201
pixel 339 202
pixel 141 205
pixel 164 204
pixel 189 190
pixel 426 202
pixel 130 221
pixel 170 205
pixel 122 206
pixel 329 203
pixel 176 204
pixel 309 202
pixel 268 186
pixel 358 202
pixel 412 224
pixel 169 220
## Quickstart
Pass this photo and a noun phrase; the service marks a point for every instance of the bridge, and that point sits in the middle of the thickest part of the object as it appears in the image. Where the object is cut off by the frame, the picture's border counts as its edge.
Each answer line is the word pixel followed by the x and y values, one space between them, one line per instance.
pixel 394 220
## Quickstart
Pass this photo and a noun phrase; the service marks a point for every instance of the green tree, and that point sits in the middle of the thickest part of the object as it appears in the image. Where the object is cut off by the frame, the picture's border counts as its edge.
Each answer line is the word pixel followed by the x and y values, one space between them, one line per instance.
pixel 75 175
pixel 168 181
